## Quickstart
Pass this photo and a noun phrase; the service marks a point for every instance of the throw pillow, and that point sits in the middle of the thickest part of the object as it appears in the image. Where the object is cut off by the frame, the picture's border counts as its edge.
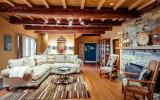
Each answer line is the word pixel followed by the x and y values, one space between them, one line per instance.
pixel 73 58
pixel 50 59
pixel 39 61
pixel 15 62
pixel 145 74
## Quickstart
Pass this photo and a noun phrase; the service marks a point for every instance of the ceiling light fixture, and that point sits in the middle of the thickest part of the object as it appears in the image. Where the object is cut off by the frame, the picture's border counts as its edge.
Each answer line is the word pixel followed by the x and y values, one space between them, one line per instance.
pixel 70 21
pixel 111 4
pixel 45 21
pixel 81 21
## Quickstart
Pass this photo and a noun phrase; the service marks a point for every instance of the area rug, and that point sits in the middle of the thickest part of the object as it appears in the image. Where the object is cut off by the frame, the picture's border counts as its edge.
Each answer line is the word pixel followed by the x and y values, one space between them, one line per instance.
pixel 50 91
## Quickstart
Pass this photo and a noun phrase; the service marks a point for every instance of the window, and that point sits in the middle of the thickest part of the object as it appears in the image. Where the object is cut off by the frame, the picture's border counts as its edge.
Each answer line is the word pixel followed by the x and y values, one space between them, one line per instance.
pixel 29 46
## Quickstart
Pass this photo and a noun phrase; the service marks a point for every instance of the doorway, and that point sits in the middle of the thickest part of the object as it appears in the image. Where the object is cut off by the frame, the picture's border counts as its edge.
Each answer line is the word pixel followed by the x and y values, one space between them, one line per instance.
pixel 90 52
pixel 116 50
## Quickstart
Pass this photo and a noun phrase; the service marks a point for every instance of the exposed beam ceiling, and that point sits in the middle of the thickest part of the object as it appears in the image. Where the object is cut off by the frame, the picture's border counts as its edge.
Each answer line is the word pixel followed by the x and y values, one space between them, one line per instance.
pixel 66 13
pixel 10 2
pixel 146 4
pixel 103 19
pixel 121 19
pixel 71 32
pixel 27 3
pixel 101 2
pixel 91 19
pixel 19 17
pixel 114 19
pixel 30 27
pixel 83 4
pixel 38 21
pixel 64 4
pixel 135 4
pixel 30 17
pixel 45 3
pixel 118 4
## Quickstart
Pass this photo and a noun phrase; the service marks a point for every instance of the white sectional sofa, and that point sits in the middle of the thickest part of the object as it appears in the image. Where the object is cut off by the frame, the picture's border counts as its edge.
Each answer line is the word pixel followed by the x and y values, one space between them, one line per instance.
pixel 40 66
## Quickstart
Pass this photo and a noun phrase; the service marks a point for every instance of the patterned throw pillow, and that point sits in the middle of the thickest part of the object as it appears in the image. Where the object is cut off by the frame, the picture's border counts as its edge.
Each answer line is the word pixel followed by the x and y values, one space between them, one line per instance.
pixel 145 74
pixel 39 61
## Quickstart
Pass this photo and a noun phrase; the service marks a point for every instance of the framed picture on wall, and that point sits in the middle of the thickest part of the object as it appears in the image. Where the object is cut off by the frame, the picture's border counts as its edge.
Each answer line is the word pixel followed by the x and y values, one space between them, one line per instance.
pixel 7 42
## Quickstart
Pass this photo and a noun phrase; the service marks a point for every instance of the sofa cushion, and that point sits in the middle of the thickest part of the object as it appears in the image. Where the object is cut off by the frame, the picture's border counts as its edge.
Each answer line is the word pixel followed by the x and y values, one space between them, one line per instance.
pixel 60 58
pixel 16 62
pixel 71 58
pixel 55 65
pixel 50 58
pixel 39 71
pixel 39 60
pixel 29 61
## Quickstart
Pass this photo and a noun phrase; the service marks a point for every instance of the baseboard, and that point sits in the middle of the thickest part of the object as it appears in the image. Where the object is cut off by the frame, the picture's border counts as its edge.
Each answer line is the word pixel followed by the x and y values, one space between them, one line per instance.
pixel 90 61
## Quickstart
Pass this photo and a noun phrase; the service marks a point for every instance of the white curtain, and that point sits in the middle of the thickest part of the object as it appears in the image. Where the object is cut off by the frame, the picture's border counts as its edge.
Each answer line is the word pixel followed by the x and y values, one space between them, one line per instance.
pixel 29 46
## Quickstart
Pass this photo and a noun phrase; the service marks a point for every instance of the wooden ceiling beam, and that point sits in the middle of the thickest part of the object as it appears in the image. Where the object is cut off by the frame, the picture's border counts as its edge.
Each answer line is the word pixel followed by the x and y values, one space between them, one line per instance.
pixel 118 4
pixel 74 12
pixel 64 4
pixel 82 4
pixel 135 4
pixel 45 3
pixel 121 19
pixel 10 2
pixel 39 21
pixel 30 27
pixel 91 19
pixel 146 4
pixel 114 19
pixel 103 19
pixel 30 17
pixel 71 32
pixel 101 2
pixel 27 3
pixel 19 17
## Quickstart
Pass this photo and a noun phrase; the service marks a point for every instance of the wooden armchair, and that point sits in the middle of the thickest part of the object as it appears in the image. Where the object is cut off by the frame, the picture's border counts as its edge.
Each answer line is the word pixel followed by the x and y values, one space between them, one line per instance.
pixel 148 90
pixel 111 66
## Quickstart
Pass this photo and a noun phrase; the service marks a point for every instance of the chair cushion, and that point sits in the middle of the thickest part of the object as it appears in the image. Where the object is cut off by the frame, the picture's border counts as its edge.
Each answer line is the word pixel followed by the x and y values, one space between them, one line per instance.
pixel 39 71
pixel 106 69
pixel 138 89
pixel 60 58
pixel 112 60
pixel 125 82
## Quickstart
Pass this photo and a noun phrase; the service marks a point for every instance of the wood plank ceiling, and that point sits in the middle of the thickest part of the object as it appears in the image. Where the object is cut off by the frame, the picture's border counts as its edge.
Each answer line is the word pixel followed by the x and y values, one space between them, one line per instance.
pixel 74 16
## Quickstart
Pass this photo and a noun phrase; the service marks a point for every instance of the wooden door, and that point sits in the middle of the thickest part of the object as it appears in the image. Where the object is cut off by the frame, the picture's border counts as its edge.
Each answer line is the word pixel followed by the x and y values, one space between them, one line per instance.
pixel 116 50
pixel 81 51
pixel 90 52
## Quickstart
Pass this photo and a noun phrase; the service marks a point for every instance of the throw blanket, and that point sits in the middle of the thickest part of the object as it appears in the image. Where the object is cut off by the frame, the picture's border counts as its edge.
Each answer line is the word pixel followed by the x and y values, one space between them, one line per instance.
pixel 18 71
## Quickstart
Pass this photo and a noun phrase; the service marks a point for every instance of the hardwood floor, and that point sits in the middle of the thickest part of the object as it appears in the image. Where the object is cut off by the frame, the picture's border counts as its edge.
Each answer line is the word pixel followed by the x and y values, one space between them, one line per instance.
pixel 101 88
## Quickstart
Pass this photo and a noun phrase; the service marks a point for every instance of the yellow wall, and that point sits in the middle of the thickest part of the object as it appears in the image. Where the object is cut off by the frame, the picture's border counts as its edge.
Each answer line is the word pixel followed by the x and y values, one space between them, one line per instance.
pixel 51 40
pixel 85 39
pixel 7 28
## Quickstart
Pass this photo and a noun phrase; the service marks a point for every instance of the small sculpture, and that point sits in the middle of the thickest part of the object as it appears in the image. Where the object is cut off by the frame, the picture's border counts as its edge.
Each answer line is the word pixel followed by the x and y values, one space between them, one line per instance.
pixel 126 40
